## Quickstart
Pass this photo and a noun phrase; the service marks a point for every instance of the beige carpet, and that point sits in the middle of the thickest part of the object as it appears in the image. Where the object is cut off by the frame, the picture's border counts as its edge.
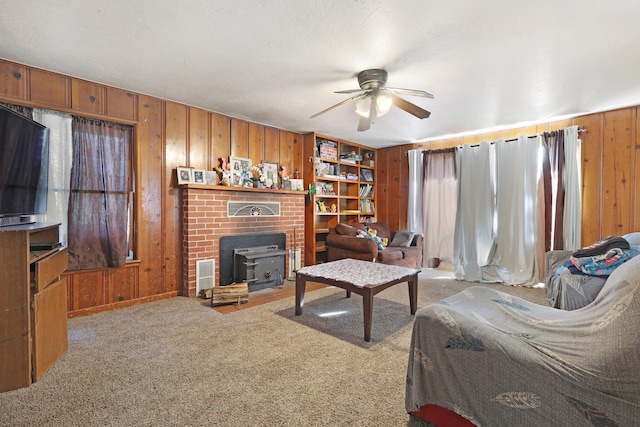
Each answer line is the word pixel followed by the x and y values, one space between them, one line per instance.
pixel 178 362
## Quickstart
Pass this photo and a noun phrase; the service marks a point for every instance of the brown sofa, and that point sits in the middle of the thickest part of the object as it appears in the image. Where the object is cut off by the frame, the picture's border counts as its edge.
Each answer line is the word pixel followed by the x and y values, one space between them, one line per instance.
pixel 342 243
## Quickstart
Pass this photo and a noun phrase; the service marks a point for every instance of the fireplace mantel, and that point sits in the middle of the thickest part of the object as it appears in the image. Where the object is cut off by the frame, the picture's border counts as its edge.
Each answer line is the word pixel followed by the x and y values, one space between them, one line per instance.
pixel 238 188
pixel 205 221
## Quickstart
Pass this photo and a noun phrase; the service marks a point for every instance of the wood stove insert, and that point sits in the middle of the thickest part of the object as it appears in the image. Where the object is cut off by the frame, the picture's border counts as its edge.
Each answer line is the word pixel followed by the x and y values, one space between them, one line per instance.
pixel 257 258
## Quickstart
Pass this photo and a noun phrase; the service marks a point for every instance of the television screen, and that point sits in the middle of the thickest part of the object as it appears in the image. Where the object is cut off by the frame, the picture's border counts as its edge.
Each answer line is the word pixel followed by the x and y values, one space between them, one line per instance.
pixel 24 160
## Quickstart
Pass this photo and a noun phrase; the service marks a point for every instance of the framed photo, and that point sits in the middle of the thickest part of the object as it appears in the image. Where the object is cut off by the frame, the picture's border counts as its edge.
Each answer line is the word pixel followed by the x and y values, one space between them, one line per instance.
pixel 367 175
pixel 198 176
pixel 270 171
pixel 297 184
pixel 240 171
pixel 185 175
pixel 211 178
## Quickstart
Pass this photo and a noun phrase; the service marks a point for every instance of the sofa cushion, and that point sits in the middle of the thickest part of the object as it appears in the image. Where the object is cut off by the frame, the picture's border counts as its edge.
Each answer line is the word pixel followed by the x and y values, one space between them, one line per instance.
pixel 402 238
pixel 346 229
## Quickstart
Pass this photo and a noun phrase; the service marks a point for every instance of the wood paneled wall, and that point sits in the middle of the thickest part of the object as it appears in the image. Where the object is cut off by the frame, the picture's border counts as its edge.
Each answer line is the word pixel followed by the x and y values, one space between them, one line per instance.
pixel 167 135
pixel 610 162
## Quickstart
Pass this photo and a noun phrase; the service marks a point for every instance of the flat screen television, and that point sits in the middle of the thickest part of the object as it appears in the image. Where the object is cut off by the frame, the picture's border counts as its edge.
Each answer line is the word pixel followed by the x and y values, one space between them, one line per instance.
pixel 24 165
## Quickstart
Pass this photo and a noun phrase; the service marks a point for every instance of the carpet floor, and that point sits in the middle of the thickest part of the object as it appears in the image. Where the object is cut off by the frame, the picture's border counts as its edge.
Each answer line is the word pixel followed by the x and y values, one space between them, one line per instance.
pixel 177 362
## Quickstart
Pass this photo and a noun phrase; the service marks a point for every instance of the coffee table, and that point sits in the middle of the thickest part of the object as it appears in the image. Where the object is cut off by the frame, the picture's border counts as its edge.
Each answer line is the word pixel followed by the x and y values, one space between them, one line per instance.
pixel 361 277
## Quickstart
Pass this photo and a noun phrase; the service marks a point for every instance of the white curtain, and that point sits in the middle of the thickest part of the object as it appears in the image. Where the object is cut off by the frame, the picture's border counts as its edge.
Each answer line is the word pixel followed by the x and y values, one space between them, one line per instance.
pixel 499 235
pixel 60 158
pixel 414 211
pixel 572 220
pixel 440 205
pixel 519 239
pixel 473 235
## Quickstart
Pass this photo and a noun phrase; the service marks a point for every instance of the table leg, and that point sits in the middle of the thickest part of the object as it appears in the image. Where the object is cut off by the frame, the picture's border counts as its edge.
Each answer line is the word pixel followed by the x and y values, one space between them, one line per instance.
pixel 367 305
pixel 301 282
pixel 413 293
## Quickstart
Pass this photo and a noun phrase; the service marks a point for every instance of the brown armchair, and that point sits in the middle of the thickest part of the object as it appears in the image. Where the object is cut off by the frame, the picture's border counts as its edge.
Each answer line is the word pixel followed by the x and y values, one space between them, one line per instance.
pixel 342 243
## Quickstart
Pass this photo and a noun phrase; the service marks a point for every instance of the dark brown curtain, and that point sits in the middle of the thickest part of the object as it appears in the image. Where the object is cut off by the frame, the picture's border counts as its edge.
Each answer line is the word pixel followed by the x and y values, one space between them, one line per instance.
pixel 554 184
pixel 98 199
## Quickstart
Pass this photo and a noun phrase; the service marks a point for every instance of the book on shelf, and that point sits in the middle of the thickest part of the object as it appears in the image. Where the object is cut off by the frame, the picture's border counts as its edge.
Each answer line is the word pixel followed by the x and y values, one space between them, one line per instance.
pixel 350 157
pixel 366 190
pixel 327 149
pixel 366 206
pixel 326 142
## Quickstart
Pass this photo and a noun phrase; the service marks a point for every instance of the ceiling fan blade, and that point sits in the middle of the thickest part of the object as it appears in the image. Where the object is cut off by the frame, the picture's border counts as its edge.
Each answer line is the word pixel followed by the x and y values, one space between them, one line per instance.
pixel 410 108
pixel 350 91
pixel 410 92
pixel 365 122
pixel 335 106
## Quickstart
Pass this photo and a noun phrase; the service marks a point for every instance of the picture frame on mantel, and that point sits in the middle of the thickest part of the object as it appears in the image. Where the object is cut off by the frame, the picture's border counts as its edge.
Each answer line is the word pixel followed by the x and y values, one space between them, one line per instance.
pixel 240 168
pixel 185 175
pixel 270 171
pixel 211 178
pixel 198 176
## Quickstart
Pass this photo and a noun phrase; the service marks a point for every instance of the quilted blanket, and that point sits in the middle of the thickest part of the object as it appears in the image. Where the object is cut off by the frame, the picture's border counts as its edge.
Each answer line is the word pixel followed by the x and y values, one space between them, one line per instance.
pixel 499 360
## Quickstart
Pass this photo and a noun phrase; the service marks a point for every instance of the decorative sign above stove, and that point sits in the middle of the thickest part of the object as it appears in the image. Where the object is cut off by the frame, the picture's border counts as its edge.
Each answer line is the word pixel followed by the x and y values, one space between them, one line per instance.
pixel 242 209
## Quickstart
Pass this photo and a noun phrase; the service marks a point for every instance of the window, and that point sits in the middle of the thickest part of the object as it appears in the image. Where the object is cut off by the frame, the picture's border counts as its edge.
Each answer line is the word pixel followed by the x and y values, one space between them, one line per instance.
pixel 100 196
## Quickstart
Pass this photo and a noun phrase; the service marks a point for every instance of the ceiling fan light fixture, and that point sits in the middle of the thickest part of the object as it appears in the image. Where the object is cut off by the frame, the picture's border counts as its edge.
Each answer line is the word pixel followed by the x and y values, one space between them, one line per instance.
pixel 384 101
pixel 363 105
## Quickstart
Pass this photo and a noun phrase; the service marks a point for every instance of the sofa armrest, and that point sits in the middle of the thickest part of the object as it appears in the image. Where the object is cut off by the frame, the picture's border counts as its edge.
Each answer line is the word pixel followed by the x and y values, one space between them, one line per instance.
pixel 554 260
pixel 353 244
pixel 557 257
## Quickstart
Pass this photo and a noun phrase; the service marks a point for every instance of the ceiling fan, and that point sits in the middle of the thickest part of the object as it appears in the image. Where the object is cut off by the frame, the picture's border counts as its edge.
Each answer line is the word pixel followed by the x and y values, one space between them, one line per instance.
pixel 374 99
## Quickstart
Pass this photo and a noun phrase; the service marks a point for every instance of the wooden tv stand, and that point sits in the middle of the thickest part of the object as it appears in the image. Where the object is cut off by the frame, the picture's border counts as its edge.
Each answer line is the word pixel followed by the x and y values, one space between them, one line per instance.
pixel 33 303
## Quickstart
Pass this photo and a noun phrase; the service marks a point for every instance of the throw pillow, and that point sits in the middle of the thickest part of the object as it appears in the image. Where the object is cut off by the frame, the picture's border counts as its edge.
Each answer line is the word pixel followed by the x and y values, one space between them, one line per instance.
pixel 402 238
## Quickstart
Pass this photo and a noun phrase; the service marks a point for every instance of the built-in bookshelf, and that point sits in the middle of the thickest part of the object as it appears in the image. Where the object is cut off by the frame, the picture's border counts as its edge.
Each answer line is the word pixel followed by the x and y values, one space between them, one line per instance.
pixel 341 179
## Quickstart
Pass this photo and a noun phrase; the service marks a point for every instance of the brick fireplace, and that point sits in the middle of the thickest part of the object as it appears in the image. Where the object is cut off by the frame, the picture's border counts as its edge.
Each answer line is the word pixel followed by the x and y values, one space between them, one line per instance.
pixel 206 220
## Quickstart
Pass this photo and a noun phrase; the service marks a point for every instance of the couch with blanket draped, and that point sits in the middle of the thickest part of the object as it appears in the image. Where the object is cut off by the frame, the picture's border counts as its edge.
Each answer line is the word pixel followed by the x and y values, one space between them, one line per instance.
pixel 499 360
pixel 573 279
pixel 404 248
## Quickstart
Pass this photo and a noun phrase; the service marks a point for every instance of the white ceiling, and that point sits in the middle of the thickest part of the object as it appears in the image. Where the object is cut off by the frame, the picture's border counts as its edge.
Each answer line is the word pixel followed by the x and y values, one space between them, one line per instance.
pixel 489 63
